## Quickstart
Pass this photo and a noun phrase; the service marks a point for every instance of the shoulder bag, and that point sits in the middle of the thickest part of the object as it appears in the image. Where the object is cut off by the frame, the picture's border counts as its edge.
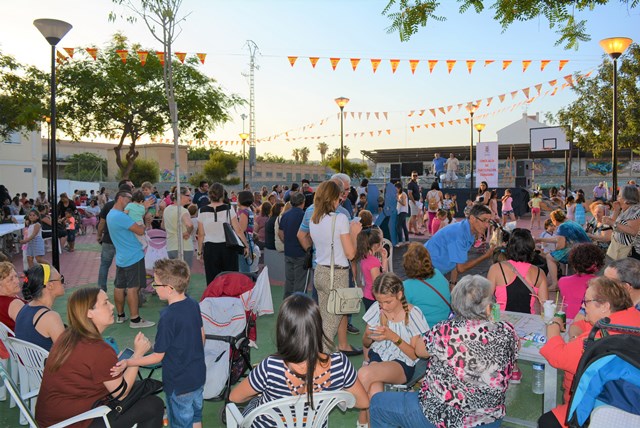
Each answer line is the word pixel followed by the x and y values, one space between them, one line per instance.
pixel 231 238
pixel 342 301
pixel 439 294
pixel 140 389
pixel 536 308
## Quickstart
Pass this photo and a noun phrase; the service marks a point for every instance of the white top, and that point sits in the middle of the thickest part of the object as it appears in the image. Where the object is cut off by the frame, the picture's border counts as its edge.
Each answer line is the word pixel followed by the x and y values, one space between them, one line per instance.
pixel 452 164
pixel 437 194
pixel 214 231
pixel 388 350
pixel 169 217
pixel 403 208
pixel 321 236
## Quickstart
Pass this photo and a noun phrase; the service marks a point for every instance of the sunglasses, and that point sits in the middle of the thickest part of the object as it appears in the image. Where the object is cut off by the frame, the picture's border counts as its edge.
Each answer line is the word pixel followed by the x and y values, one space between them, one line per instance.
pixel 61 279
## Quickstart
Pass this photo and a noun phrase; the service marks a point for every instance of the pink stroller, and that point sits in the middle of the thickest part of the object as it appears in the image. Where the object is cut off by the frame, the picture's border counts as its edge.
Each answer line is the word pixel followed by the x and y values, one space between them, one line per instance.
pixel 156 250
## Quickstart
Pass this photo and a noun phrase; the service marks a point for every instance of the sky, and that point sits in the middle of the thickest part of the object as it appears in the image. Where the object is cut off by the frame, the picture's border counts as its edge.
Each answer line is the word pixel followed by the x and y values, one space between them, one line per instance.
pixel 295 107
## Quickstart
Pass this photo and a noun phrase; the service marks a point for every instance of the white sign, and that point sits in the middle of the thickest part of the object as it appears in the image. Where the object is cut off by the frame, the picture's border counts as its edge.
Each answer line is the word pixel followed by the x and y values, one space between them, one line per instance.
pixel 487 164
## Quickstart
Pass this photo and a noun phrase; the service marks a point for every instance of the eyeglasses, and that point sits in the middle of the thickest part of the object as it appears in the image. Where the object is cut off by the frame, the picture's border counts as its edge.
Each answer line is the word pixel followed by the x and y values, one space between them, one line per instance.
pixel 585 301
pixel 187 194
pixel 156 285
pixel 61 279
pixel 484 220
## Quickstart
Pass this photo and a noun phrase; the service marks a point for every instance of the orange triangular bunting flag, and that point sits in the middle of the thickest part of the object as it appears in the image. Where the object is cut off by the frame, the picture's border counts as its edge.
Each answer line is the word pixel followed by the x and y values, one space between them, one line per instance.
pixel 441 110
pixel 377 115
pixel 122 53
pixel 525 91
pixel 334 62
pixel 544 63
pixel 379 132
pixel 450 122
pixel 413 64
pixel 450 64
pixel 538 87
pixel 181 56
pixel 442 124
pixel 93 52
pixel 201 57
pixel 413 128
pixel 411 113
pixel 459 121
pixel 354 63
pixel 501 97
pixel 466 119
pixel 506 63
pixel 554 91
pixel 313 60
pixel 525 64
pixel 368 114
pixel 292 60
pixel 160 57
pixel 353 115
pixel 394 64
pixel 489 101
pixel 385 115
pixel 359 116
pixel 488 61
pixel 562 63
pixel 470 64
pixel 69 52
pixel 421 112
pixel 513 94
pixel 371 133
pixel 432 64
pixel 61 57
pixel 374 64
pixel 449 108
pixel 142 56
pixel 388 132
pixel 553 82
pixel 433 111
pixel 569 79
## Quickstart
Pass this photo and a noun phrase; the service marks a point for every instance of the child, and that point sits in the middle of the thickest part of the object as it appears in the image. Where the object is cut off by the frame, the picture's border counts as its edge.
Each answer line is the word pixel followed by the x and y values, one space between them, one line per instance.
pixel 179 345
pixel 570 206
pixel 136 210
pixel 507 207
pixel 549 232
pixel 454 206
pixel 440 221
pixel 534 204
pixel 362 203
pixel 70 227
pixel 447 203
pixel 580 212
pixel 33 239
pixel 147 191
pixel 467 209
pixel 367 267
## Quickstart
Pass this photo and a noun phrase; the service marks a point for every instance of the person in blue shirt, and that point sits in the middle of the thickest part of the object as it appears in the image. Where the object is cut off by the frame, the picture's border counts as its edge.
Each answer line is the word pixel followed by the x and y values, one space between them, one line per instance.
pixel 438 166
pixel 179 345
pixel 450 246
pixel 294 255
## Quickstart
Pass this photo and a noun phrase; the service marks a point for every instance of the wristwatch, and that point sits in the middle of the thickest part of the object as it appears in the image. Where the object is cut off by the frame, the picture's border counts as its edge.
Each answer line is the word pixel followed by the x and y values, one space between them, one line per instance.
pixel 555 322
pixel 399 341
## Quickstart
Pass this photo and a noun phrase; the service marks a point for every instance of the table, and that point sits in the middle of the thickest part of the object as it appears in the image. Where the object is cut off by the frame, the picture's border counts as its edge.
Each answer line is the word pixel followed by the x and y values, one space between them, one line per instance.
pixel 8 244
pixel 530 351
pixel 7 228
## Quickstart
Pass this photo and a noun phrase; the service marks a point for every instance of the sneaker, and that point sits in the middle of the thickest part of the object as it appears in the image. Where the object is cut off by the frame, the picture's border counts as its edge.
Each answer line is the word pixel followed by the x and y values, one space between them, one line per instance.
pixel 141 324
pixel 516 376
pixel 352 329
pixel 120 320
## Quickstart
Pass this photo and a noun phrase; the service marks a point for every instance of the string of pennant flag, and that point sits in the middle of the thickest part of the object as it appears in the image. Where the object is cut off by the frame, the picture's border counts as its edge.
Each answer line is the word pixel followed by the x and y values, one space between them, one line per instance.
pixel 124 54
pixel 431 63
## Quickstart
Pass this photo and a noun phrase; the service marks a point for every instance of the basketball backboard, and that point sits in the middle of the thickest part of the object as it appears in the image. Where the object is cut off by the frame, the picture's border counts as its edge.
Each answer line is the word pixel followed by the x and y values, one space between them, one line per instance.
pixel 548 138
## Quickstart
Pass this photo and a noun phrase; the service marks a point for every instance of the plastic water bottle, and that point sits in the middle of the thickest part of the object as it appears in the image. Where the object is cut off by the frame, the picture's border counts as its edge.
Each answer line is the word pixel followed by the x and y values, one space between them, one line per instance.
pixel 537 384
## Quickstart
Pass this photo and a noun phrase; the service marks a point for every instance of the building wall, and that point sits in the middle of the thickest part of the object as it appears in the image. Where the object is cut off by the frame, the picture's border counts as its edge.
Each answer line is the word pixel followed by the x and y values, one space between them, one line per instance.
pixel 21 164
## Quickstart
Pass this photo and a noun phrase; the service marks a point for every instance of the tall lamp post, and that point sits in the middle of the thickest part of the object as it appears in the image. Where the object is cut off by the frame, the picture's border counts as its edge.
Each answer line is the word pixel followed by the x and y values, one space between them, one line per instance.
pixel 479 127
pixel 614 47
pixel 244 137
pixel 53 30
pixel 471 108
pixel 342 101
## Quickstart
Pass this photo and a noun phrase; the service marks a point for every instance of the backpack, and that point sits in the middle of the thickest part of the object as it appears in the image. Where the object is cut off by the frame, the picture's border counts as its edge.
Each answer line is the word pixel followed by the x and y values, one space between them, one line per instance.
pixel 433 203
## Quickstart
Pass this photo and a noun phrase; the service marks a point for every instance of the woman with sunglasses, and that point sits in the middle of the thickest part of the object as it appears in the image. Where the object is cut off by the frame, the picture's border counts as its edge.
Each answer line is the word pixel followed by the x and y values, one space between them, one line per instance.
pixel 36 322
pixel 604 298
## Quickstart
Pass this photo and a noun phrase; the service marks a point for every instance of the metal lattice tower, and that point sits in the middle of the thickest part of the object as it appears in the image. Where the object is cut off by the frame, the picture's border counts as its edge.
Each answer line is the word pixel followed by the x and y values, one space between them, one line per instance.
pixel 253 49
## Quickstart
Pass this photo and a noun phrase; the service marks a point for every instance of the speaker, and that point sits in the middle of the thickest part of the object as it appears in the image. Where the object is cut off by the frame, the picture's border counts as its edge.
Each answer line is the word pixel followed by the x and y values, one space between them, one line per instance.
pixel 523 182
pixel 524 168
pixel 409 167
pixel 396 172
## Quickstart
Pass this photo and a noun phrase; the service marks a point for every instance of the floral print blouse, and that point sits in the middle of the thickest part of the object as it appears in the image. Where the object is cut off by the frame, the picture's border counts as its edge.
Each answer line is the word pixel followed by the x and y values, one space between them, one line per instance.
pixel 468 372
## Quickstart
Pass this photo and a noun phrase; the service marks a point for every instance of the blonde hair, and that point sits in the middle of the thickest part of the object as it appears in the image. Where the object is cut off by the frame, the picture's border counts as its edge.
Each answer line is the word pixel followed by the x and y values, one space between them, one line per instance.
pixel 174 272
pixel 390 284
pixel 5 269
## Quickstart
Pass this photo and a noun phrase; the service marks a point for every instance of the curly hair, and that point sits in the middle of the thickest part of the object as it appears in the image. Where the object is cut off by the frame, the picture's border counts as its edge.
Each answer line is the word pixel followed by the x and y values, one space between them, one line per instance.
pixel 558 215
pixel 586 258
pixel 417 262
pixel 607 290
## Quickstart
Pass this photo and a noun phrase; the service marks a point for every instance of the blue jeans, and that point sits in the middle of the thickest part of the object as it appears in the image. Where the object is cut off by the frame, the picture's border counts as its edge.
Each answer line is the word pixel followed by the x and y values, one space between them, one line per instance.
pixel 185 409
pixel 106 259
pixel 402 409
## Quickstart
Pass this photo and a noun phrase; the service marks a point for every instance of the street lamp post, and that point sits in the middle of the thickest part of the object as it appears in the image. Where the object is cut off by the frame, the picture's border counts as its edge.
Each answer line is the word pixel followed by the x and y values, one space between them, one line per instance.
pixel 471 108
pixel 342 101
pixel 53 30
pixel 614 47
pixel 244 137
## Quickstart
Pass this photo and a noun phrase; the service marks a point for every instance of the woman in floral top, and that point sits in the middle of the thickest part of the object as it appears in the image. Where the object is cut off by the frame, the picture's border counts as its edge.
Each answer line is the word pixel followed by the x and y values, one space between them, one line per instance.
pixel 472 358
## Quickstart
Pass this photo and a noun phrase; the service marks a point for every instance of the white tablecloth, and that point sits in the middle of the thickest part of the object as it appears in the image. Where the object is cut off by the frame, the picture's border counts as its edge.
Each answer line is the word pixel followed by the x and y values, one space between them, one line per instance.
pixel 7 228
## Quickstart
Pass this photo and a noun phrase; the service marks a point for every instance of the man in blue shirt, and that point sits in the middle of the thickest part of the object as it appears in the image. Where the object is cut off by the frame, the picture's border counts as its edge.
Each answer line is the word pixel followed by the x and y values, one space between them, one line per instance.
pixel 449 247
pixel 294 255
pixel 130 270
pixel 438 166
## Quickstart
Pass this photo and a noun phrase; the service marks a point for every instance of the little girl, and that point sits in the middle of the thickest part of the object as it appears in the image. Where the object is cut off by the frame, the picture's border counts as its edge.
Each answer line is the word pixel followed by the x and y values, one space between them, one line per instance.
pixel 580 212
pixel 440 221
pixel 507 207
pixel 448 202
pixel 570 206
pixel 368 267
pixel 549 232
pixel 33 239
pixel 136 210
pixel 534 204
pixel 454 206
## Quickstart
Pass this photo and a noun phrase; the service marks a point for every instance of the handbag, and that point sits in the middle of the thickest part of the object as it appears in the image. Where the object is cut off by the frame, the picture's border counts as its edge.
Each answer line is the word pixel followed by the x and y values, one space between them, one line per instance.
pixel 140 389
pixel 617 250
pixel 342 301
pixel 231 238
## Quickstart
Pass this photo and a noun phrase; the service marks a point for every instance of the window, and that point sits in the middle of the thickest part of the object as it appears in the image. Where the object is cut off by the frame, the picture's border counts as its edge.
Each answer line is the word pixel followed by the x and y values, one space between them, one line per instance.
pixel 298 177
pixel 289 177
pixel 13 138
pixel 258 173
pixel 269 174
pixel 279 174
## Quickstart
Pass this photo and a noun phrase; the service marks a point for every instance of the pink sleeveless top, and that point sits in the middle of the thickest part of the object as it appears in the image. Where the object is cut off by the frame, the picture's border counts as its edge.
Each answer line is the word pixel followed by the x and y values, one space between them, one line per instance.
pixel 501 290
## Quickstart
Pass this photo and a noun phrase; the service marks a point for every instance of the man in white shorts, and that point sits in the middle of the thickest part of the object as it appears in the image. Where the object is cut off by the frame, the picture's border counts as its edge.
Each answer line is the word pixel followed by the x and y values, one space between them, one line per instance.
pixel 452 167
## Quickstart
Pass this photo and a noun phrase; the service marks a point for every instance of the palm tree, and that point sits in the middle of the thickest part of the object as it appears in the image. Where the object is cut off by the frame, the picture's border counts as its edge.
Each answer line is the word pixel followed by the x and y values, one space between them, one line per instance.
pixel 336 152
pixel 296 154
pixel 304 154
pixel 323 148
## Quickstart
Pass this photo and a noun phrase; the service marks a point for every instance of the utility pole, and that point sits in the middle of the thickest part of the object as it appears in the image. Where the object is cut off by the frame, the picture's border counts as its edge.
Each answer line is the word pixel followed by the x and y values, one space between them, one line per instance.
pixel 253 49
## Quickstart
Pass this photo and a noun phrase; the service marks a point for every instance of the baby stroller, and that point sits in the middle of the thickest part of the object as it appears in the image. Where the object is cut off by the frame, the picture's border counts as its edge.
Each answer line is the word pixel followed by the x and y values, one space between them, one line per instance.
pixel 156 249
pixel 606 388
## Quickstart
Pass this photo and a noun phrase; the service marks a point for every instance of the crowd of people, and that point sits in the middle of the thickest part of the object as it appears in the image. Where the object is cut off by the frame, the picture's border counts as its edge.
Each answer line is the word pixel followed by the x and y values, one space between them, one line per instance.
pixel 437 315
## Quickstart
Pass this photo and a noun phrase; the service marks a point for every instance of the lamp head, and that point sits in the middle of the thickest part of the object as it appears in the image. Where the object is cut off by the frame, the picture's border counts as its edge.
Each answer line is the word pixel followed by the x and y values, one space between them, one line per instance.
pixel 479 126
pixel 244 136
pixel 52 29
pixel 342 101
pixel 472 107
pixel 615 46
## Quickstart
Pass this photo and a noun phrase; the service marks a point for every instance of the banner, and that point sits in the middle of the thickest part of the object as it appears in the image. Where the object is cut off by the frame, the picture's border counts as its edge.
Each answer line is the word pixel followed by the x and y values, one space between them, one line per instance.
pixel 487 164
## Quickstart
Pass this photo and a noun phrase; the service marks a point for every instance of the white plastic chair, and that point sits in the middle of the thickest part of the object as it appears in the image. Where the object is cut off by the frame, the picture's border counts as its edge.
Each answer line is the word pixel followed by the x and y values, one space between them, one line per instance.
pixel 99 412
pixel 5 333
pixel 293 412
pixel 31 359
pixel 609 416
pixel 389 247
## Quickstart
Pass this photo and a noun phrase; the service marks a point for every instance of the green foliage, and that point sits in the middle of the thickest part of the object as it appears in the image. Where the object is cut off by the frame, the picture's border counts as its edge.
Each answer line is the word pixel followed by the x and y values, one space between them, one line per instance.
pixel 86 167
pixel 335 154
pixel 200 153
pixel 352 169
pixel 218 168
pixel 143 170
pixel 588 120
pixel 323 148
pixel 407 16
pixel 268 157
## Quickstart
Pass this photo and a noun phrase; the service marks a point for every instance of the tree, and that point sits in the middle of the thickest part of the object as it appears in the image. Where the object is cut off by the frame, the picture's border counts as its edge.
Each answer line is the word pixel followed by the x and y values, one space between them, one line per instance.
pixel 218 168
pixel 323 148
pixel 407 16
pixel 125 101
pixel 335 154
pixel 200 153
pixel 352 169
pixel 85 167
pixel 588 120
pixel 304 154
pixel 296 155
pixel 24 97
pixel 268 157
pixel 143 170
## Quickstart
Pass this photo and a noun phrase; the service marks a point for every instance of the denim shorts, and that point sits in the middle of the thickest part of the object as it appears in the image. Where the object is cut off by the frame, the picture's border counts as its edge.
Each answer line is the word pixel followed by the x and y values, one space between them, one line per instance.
pixel 185 409
pixel 408 370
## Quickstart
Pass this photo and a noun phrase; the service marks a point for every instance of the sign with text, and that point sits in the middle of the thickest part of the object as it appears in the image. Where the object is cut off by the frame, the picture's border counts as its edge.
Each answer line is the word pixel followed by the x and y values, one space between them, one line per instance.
pixel 487 164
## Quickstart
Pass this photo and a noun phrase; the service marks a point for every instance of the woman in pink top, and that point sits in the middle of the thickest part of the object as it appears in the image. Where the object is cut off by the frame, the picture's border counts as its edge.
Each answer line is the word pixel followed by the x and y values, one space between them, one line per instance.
pixel 586 259
pixel 261 221
pixel 507 207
